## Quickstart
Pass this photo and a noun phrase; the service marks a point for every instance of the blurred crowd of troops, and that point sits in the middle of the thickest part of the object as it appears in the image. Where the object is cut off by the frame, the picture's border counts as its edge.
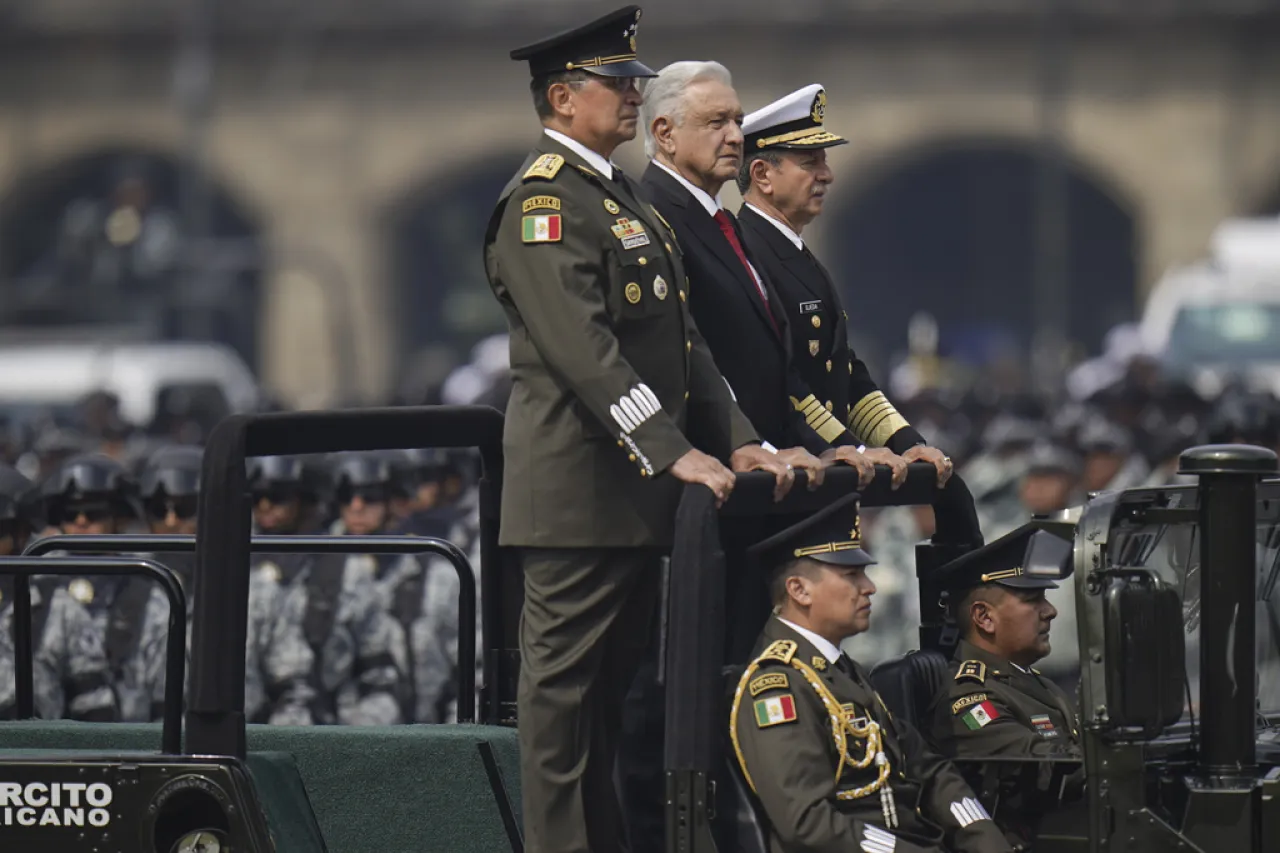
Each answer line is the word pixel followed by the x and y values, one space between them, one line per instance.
pixel 333 638
pixel 372 639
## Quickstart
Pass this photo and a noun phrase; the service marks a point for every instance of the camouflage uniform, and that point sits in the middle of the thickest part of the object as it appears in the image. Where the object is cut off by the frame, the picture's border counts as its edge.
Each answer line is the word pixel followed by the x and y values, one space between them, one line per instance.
pixel 70 669
pixel 274 663
pixel 344 646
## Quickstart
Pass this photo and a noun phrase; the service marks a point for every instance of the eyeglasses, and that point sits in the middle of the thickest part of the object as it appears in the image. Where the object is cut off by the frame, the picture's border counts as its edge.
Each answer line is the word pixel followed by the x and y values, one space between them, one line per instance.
pixel 617 84
pixel 184 508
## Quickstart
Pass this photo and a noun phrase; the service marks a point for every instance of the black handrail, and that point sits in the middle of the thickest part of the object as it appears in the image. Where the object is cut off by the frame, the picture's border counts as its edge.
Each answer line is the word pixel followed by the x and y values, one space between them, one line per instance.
pixel 315 545
pixel 215 707
pixel 175 647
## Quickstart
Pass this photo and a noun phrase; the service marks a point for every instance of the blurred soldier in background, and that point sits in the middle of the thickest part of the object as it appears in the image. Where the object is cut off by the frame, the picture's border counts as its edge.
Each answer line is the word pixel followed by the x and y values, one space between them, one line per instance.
pixel 1110 460
pixel 70 675
pixel 170 490
pixel 93 495
pixel 335 607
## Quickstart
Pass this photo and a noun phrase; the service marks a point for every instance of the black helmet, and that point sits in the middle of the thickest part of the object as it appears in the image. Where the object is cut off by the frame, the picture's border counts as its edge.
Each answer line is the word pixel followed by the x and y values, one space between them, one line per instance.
pixel 362 469
pixel 295 476
pixel 173 472
pixel 1247 418
pixel 88 477
pixel 17 495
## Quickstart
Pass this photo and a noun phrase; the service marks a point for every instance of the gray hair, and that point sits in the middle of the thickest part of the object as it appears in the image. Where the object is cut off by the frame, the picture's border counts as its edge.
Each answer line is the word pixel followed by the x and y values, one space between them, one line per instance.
pixel 664 94
pixel 773 158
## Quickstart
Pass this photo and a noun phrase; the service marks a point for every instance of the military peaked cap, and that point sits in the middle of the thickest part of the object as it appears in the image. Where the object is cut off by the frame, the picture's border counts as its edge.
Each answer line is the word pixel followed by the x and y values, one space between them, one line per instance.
pixel 606 46
pixel 791 122
pixel 831 535
pixel 1023 559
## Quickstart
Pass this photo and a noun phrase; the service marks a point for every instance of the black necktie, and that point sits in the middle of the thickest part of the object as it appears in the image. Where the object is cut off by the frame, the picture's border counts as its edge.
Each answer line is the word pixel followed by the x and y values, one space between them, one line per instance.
pixel 845 665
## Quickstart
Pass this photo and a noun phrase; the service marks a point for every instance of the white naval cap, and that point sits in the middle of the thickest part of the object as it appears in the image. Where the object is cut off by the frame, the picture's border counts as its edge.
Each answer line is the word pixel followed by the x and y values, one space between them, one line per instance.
pixel 792 122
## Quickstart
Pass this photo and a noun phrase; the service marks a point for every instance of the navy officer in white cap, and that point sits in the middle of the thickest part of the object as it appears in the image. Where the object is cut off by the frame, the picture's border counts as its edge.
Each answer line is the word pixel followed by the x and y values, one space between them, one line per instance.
pixel 784 181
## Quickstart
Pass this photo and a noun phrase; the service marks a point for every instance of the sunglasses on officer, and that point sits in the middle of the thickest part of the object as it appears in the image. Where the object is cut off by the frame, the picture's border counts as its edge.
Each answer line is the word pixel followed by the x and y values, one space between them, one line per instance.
pixel 183 508
pixel 93 513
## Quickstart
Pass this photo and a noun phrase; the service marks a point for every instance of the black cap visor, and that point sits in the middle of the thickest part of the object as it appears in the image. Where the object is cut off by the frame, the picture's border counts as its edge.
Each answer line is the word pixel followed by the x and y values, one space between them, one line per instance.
pixel 846 557
pixel 625 68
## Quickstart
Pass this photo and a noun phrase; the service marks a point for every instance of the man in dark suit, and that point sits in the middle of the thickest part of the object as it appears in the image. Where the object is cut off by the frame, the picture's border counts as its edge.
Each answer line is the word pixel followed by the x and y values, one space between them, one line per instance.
pixel 610 378
pixel 692 120
pixel 784 179
pixel 832 767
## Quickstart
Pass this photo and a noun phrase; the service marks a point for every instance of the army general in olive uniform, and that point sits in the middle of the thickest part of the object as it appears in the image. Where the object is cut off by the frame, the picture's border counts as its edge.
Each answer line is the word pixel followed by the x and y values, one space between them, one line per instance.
pixel 612 389
pixel 832 767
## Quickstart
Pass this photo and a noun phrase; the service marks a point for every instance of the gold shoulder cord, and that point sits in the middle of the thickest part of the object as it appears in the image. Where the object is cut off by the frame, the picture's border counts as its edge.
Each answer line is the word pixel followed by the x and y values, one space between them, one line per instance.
pixel 842 729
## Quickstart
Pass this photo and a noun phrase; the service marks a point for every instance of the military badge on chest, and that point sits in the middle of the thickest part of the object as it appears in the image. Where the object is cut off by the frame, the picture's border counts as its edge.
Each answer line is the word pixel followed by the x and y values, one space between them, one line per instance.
pixel 1044 726
pixel 631 234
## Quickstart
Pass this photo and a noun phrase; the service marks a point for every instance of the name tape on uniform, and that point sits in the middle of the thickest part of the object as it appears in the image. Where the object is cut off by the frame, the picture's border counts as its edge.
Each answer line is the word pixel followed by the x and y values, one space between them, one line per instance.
pixel 770 681
pixel 540 202
pixel 811 307
pixel 631 234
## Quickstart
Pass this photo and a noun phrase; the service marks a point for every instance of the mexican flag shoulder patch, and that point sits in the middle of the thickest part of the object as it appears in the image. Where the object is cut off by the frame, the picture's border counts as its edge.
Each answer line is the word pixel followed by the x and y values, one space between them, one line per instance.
pixel 778 709
pixel 980 715
pixel 540 229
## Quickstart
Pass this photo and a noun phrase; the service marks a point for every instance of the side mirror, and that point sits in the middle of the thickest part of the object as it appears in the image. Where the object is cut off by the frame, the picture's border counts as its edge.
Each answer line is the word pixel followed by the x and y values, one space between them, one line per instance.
pixel 1146 654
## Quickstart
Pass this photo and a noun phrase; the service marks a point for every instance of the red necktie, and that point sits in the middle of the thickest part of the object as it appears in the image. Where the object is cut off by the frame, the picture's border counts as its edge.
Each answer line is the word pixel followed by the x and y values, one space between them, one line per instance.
pixel 730 234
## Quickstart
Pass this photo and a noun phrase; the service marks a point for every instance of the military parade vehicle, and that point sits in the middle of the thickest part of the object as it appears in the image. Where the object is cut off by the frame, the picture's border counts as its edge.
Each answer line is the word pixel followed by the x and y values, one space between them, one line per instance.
pixel 1179 636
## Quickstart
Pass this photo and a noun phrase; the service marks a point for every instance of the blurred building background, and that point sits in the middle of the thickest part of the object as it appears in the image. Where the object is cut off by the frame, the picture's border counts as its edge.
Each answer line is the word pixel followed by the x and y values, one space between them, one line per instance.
pixel 315 176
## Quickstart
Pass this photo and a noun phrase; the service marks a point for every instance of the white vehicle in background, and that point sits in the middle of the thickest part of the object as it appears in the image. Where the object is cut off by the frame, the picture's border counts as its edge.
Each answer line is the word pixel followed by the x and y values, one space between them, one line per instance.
pixel 1219 319
pixel 55 375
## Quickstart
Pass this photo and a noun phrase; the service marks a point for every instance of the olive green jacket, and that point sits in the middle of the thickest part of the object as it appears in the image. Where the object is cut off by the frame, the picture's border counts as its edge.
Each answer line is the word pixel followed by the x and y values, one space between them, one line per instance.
pixel 1019 712
pixel 782 733
pixel 612 382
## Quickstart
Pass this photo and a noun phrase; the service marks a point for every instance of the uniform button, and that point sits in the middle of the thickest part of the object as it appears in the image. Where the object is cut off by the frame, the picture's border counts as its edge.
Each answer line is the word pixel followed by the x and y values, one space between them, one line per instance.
pixel 828 365
pixel 686 395
pixel 816 322
pixel 631 458
pixel 688 346
pixel 642 261
pixel 682 296
pixel 644 473
pixel 828 406
pixel 620 444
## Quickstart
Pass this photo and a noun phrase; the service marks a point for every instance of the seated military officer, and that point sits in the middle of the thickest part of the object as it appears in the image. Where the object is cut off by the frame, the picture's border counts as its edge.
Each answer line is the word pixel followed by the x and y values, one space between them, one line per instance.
pixel 997 703
pixel 833 769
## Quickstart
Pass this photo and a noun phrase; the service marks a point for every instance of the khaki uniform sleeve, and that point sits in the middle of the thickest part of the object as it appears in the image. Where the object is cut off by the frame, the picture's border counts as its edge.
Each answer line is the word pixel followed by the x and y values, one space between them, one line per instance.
pixel 557 287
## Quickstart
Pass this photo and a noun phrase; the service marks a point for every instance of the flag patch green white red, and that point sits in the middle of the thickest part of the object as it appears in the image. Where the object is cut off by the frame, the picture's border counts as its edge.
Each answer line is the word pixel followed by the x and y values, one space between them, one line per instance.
pixel 541 229
pixel 979 715
pixel 779 709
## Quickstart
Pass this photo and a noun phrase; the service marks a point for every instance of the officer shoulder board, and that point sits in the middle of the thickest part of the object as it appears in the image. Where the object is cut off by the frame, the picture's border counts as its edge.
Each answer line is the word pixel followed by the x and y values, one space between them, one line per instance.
pixel 780 650
pixel 544 168
pixel 972 670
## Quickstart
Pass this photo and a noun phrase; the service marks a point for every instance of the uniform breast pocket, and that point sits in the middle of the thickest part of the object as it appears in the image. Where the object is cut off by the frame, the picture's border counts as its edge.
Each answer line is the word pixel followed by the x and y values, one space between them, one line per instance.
pixel 646 290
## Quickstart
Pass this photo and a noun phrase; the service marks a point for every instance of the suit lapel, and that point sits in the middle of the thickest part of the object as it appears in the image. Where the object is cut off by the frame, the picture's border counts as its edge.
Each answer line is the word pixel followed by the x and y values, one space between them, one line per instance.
pixel 703 228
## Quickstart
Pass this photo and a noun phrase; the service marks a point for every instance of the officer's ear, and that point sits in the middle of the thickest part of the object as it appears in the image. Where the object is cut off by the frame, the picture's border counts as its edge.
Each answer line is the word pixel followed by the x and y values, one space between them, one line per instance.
pixel 560 98
pixel 760 172
pixel 982 613
pixel 663 129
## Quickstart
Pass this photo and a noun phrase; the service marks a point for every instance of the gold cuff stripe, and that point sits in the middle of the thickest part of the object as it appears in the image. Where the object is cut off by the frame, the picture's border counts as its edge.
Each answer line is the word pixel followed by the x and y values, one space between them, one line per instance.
pixel 829 548
pixel 861 421
pixel 597 61
pixel 871 400
pixel 885 428
pixel 827 427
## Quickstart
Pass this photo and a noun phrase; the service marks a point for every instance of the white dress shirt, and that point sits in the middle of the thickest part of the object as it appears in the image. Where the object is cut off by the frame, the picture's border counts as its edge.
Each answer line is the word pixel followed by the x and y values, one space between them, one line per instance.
pixel 781 226
pixel 822 644
pixel 712 206
pixel 593 159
